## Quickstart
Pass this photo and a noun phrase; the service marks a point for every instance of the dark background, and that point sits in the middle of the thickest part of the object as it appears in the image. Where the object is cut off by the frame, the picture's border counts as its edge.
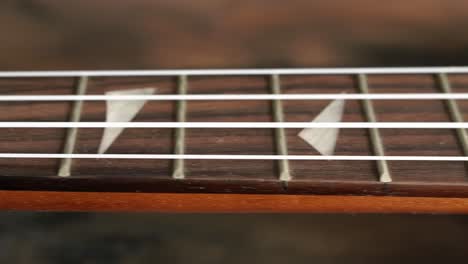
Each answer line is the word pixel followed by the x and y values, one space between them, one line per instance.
pixel 143 34
pixel 271 238
pixel 146 34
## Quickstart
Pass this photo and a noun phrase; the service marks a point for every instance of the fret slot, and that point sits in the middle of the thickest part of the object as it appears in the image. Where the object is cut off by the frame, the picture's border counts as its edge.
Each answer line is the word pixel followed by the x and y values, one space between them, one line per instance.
pixel 375 137
pixel 454 111
pixel 70 141
pixel 280 135
pixel 179 148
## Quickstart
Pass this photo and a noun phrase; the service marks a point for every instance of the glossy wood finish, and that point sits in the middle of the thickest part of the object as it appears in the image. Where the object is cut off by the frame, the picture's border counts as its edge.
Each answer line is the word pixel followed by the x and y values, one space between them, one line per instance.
pixel 223 203
pixel 411 179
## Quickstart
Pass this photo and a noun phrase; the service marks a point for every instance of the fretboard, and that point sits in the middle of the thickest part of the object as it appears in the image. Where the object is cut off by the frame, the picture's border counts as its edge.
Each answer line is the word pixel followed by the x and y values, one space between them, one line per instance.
pixel 401 131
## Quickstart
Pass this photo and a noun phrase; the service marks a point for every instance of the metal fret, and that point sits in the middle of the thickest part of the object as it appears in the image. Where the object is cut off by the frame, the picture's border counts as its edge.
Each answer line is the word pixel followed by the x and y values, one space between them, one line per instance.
pixel 179 148
pixel 70 141
pixel 454 111
pixel 376 139
pixel 280 135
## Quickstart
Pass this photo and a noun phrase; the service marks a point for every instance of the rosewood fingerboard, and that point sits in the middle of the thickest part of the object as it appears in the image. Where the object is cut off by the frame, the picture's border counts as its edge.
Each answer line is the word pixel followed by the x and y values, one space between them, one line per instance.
pixel 410 178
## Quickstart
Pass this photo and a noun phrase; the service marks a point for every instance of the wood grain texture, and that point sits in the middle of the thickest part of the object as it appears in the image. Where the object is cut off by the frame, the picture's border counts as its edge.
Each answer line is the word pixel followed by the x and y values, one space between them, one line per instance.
pixel 411 179
pixel 225 203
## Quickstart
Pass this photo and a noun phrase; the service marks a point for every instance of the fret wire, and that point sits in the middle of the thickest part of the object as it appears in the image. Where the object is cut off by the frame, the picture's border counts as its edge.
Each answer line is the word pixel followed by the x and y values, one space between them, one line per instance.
pixel 376 139
pixel 70 141
pixel 228 157
pixel 454 111
pixel 280 136
pixel 236 97
pixel 179 164
pixel 233 72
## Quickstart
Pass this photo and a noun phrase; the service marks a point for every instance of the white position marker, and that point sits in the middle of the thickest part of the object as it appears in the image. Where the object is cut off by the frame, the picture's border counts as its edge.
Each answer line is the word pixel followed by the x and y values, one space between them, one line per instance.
pixel 121 111
pixel 324 139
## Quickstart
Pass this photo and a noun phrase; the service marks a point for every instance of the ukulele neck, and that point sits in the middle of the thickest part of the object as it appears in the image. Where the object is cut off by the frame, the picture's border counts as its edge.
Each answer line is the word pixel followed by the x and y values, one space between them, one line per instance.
pixel 401 131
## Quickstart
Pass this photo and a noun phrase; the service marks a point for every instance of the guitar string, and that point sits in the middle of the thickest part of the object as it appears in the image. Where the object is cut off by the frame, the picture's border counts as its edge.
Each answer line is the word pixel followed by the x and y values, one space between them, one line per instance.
pixel 399 125
pixel 229 157
pixel 235 72
pixel 224 97
pixel 403 70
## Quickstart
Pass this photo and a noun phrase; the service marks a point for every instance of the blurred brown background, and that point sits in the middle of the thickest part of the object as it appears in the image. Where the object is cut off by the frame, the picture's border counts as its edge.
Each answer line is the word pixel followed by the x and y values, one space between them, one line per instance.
pixel 141 34
pixel 39 238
